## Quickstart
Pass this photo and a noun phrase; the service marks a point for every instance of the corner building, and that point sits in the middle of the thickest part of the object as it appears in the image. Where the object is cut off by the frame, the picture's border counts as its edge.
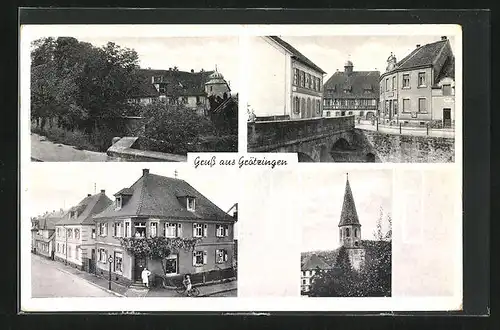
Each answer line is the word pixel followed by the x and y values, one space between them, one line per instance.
pixel 420 89
pixel 161 206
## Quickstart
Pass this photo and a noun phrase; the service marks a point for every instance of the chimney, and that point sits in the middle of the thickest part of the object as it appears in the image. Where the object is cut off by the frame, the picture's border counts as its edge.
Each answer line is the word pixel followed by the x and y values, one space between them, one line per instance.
pixel 103 191
pixel 444 38
pixel 418 45
pixel 192 70
pixel 88 195
pixel 145 171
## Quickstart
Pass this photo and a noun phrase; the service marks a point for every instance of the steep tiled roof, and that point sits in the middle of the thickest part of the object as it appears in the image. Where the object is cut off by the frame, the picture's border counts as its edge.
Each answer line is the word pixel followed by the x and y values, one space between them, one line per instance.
pixel 313 261
pixel 48 221
pixel 188 83
pixel 437 55
pixel 296 54
pixel 360 84
pixel 159 196
pixel 348 216
pixel 89 206
pixel 422 56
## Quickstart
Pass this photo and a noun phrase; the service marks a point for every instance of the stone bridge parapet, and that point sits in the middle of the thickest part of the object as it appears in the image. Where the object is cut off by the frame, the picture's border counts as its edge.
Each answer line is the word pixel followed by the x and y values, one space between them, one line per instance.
pixel 271 135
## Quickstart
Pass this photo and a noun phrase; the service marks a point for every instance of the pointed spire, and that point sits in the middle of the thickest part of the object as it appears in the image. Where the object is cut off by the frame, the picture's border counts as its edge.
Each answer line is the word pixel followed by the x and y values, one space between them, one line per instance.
pixel 348 216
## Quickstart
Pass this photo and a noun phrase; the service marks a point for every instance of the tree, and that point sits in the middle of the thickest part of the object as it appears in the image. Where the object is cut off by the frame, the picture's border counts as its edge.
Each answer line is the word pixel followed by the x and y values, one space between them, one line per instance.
pixel 176 127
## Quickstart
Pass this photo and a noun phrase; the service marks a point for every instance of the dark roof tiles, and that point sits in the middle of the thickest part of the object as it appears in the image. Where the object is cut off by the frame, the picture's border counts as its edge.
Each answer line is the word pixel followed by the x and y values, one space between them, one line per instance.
pixel 348 216
pixel 158 196
pixel 86 209
pixel 182 82
pixel 361 84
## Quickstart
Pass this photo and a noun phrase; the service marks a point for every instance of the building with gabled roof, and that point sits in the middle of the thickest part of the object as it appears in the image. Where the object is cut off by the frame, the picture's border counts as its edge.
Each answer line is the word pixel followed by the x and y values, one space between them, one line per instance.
pixel 351 92
pixel 420 89
pixel 309 267
pixel 159 206
pixel 43 232
pixel 194 90
pixel 75 231
pixel 284 83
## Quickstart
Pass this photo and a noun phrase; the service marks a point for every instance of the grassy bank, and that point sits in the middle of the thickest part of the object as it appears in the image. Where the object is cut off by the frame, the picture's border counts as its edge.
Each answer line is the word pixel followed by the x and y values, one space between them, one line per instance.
pixel 76 138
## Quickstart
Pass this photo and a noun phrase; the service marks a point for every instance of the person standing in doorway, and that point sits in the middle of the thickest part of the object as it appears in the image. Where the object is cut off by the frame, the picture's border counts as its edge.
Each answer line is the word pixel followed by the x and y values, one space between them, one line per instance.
pixel 145 276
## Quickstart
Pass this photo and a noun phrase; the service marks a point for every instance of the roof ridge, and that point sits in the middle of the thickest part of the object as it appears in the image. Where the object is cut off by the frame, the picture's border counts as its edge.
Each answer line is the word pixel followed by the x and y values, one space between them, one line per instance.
pixel 143 189
pixel 439 53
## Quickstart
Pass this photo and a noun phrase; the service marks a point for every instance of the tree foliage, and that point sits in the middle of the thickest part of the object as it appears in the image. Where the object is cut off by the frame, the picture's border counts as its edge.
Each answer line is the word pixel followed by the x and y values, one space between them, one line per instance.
pixel 158 248
pixel 78 83
pixel 374 278
pixel 179 129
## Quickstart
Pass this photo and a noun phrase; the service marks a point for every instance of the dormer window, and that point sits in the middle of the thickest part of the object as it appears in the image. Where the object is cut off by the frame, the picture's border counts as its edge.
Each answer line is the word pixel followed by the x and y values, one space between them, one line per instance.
pixel 190 204
pixel 118 203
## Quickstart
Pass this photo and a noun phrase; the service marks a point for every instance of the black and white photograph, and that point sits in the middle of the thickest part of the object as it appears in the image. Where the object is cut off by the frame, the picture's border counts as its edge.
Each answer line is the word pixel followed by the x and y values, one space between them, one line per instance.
pixel 120 98
pixel 347 236
pixel 354 98
pixel 132 232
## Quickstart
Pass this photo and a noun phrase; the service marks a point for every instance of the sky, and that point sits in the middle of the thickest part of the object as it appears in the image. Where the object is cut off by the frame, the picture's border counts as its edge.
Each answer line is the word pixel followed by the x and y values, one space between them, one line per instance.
pixel 61 185
pixel 371 189
pixel 368 53
pixel 184 52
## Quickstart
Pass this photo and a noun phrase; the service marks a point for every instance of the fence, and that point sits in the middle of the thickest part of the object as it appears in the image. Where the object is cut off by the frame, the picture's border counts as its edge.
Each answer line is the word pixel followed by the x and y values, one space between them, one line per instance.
pixel 213 276
pixel 425 129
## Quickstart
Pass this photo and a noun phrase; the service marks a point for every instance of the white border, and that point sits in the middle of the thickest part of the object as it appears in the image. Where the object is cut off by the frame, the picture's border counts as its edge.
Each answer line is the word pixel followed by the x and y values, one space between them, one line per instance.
pixel 240 303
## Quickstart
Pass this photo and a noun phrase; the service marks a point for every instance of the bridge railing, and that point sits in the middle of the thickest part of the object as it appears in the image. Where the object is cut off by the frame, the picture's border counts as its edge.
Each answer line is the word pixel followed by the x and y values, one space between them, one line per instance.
pixel 265 135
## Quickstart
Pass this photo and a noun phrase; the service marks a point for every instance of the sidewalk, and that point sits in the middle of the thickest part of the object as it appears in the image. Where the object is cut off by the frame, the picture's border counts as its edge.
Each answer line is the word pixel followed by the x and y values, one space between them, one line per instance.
pixel 47 151
pixel 205 290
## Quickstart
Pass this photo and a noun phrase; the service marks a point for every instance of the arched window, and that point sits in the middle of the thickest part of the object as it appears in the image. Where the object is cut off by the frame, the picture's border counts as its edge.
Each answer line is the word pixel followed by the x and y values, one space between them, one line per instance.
pixel 313 109
pixel 347 232
pixel 361 113
pixel 302 108
pixel 296 106
pixel 328 113
pixel 350 112
pixel 356 243
pixel 308 107
pixel 337 114
pixel 355 232
pixel 318 106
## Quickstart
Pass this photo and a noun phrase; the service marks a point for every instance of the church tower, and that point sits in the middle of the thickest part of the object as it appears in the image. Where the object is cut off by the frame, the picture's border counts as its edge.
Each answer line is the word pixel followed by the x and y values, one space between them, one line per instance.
pixel 350 229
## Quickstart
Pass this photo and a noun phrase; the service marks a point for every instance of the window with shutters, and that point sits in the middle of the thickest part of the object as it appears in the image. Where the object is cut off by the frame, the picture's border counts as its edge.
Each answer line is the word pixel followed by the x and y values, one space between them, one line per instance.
pixel 199 258
pixel 172 229
pixel 153 229
pixel 222 230
pixel 220 256
pixel 127 229
pixel 200 230
pixel 77 233
pixel 70 233
pixel 103 229
pixel 295 76
pixel 102 255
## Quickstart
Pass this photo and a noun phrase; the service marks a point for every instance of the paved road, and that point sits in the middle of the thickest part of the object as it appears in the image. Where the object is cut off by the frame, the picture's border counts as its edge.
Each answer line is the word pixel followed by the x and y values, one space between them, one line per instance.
pixel 447 133
pixel 48 281
pixel 46 151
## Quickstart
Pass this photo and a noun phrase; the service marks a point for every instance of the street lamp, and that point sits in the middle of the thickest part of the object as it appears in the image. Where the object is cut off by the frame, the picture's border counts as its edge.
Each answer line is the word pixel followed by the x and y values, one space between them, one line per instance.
pixel 110 260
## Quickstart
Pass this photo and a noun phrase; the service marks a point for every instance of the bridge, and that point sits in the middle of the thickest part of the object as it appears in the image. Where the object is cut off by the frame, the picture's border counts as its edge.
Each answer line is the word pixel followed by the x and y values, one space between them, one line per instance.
pixel 324 139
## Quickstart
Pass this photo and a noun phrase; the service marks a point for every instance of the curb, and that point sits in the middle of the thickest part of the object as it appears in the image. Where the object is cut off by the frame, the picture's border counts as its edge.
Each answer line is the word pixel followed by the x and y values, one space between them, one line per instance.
pixel 216 292
pixel 96 285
